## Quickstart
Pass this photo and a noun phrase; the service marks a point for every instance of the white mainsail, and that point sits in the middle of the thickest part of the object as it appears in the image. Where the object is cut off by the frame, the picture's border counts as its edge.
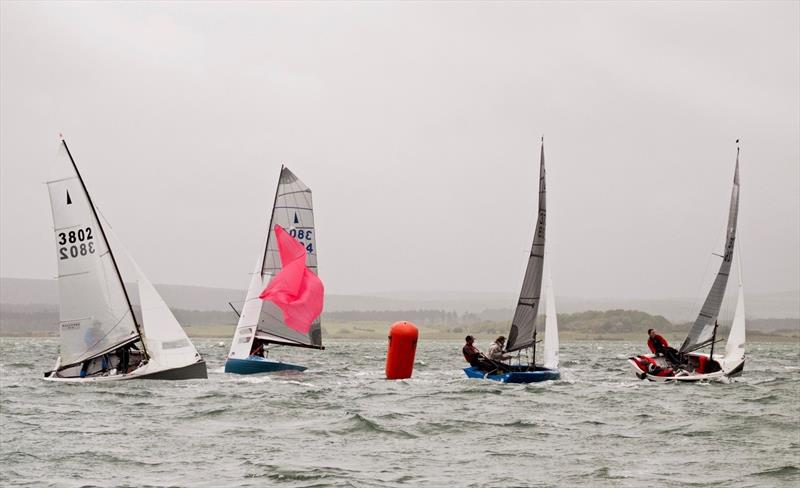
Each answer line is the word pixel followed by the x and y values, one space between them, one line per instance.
pixel 734 348
pixel 95 314
pixel 294 211
pixel 550 325
pixel 523 325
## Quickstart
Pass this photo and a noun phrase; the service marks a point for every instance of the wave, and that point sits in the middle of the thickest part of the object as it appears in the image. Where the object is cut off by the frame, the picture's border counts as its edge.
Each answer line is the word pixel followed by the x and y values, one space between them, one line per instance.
pixel 357 423
pixel 780 472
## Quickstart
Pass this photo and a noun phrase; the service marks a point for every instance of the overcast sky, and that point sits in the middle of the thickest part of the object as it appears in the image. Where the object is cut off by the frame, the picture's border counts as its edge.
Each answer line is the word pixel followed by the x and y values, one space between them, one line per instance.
pixel 417 127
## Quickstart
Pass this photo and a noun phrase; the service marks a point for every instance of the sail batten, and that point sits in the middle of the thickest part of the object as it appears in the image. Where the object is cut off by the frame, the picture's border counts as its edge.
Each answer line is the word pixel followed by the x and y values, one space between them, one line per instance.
pixel 523 325
pixel 703 328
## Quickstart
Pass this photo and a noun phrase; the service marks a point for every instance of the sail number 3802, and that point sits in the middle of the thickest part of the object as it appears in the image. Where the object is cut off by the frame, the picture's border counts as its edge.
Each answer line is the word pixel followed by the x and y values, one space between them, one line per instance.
pixel 75 243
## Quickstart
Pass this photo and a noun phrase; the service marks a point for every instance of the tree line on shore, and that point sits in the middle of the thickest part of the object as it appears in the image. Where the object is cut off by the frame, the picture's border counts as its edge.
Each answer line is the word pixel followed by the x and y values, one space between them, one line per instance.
pixel 42 319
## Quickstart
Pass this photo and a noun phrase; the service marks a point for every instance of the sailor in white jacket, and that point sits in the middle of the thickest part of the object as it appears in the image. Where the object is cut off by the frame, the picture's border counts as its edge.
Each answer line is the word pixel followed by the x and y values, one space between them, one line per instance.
pixel 497 350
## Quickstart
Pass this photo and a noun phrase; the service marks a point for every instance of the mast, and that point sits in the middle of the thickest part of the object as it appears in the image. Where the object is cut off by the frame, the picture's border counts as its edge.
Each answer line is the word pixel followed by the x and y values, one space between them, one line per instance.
pixel 700 334
pixel 271 216
pixel 108 244
pixel 713 340
pixel 523 325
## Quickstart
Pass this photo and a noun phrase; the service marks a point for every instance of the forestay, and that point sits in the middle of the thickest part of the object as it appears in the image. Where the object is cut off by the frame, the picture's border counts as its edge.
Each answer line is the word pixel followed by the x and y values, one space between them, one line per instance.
pixel 703 329
pixel 293 210
pixel 95 315
pixel 523 325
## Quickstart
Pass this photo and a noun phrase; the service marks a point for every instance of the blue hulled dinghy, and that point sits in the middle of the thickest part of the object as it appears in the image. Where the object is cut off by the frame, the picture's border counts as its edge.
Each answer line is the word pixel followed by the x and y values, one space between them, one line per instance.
pixel 262 326
pixel 523 336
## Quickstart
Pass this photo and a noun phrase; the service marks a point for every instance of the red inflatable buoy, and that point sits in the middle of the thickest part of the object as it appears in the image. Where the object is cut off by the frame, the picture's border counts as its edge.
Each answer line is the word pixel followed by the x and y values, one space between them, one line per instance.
pixel 402 347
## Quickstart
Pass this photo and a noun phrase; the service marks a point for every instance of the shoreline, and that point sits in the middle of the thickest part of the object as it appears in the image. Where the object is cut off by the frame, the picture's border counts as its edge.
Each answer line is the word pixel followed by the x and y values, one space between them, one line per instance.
pixel 447 336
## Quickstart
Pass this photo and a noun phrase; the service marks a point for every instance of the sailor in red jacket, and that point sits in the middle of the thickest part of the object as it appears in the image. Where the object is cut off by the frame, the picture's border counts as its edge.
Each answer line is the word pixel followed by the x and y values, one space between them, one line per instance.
pixel 660 347
pixel 477 359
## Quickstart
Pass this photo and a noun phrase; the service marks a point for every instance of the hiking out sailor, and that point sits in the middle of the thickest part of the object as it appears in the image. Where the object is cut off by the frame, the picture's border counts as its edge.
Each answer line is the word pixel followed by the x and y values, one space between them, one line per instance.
pixel 497 351
pixel 471 353
pixel 477 359
pixel 660 347
pixel 258 349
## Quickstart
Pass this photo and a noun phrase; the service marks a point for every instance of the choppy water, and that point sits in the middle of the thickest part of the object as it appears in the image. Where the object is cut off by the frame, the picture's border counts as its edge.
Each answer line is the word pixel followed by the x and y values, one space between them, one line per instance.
pixel 341 424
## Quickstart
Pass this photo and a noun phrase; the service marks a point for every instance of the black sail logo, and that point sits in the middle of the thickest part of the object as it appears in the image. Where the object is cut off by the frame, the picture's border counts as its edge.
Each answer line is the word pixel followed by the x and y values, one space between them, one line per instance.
pixel 69 199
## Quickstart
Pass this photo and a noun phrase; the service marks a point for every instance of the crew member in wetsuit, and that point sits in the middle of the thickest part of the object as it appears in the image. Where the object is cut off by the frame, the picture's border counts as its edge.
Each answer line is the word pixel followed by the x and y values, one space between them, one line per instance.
pixel 475 358
pixel 258 349
pixel 660 347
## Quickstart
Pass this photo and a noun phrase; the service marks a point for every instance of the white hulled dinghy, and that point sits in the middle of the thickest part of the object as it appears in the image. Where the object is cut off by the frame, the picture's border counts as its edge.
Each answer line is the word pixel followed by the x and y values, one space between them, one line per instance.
pixel 101 338
pixel 522 337
pixel 694 365
pixel 262 324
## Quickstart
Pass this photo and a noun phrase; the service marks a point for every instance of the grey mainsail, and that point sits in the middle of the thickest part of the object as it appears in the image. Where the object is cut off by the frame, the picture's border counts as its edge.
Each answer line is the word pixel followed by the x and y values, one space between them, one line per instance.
pixel 523 326
pixel 702 331
pixel 294 211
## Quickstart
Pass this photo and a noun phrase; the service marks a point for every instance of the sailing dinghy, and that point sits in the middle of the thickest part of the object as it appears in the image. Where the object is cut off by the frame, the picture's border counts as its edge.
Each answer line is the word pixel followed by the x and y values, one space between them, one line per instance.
pixel 524 328
pixel 262 323
pixel 101 338
pixel 695 365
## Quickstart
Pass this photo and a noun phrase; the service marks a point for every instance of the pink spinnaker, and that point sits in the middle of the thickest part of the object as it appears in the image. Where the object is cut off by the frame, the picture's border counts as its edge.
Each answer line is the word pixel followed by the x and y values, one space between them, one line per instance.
pixel 295 289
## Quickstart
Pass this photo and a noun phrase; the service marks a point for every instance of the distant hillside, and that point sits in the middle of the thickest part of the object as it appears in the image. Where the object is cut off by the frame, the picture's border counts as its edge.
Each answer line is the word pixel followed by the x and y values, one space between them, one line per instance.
pixel 37 320
pixel 18 291
pixel 488 306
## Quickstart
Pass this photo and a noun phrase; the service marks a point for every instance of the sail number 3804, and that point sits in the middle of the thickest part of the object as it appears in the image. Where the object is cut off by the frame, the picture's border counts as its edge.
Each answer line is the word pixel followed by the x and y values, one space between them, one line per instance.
pixel 303 235
pixel 75 243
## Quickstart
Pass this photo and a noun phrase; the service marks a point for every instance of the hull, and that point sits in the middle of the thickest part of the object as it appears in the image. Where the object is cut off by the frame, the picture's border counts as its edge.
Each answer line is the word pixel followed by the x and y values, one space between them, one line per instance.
pixel 255 365
pixel 682 376
pixel 194 371
pixel 521 376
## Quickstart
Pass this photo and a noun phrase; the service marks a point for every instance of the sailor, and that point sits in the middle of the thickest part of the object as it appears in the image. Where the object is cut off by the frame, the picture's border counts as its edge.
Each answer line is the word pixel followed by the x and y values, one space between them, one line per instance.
pixel 471 353
pixel 258 349
pixel 660 347
pixel 497 351
pixel 124 354
pixel 477 359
